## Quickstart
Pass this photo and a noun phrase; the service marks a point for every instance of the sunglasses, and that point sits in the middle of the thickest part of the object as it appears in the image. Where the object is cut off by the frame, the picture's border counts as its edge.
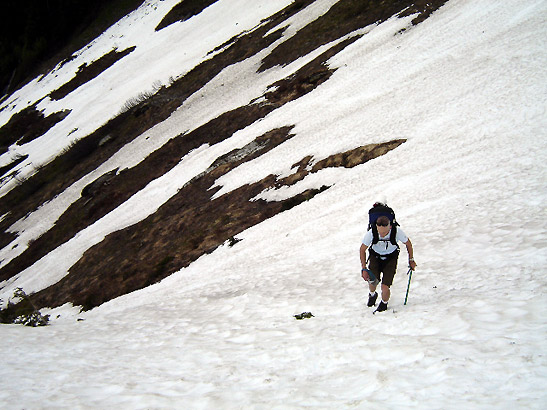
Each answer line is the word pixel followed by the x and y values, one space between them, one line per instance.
pixel 382 223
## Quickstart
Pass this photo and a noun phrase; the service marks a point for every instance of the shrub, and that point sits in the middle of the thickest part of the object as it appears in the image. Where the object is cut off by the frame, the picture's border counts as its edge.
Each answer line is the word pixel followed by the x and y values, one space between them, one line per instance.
pixel 24 312
pixel 34 319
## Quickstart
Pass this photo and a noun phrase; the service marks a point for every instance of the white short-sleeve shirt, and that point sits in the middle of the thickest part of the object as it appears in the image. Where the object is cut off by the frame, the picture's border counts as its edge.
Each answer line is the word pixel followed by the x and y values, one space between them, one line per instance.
pixel 384 246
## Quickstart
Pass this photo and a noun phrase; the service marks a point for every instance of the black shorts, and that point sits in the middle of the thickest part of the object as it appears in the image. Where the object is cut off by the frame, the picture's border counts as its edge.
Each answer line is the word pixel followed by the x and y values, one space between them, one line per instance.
pixel 386 264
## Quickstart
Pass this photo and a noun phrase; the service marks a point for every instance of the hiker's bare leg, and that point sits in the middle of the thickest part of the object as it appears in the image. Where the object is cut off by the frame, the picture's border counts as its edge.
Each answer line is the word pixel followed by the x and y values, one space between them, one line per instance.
pixel 386 292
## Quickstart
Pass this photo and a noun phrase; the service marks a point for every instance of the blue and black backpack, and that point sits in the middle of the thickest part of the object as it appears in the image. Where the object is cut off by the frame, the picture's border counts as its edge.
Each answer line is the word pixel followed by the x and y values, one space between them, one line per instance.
pixel 379 209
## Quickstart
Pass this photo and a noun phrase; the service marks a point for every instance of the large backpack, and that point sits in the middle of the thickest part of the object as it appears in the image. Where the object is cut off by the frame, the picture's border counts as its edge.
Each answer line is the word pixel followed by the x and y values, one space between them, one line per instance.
pixel 379 209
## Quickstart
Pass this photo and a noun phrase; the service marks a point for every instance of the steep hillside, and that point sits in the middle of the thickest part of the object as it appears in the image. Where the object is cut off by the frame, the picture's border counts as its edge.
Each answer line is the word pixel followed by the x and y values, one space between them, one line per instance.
pixel 186 196
pixel 138 256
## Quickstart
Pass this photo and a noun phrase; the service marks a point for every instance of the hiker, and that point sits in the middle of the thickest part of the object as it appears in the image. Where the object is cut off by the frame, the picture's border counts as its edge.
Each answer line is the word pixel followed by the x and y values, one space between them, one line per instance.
pixel 381 241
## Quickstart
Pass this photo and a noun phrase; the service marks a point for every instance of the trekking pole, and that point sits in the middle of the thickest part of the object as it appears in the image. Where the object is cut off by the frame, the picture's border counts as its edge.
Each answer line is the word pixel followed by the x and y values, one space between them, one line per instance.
pixel 408 287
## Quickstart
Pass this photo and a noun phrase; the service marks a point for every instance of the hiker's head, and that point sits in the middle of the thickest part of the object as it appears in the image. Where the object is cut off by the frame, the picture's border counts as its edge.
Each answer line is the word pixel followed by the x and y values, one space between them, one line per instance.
pixel 383 225
pixel 383 221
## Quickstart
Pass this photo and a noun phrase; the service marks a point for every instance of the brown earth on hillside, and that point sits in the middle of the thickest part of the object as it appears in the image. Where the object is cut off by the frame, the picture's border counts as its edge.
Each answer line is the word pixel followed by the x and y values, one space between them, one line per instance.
pixel 27 125
pixel 343 18
pixel 183 11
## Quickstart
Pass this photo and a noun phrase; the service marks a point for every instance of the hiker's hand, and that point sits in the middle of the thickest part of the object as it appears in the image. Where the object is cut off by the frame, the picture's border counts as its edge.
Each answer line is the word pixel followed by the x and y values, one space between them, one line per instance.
pixel 365 275
pixel 412 265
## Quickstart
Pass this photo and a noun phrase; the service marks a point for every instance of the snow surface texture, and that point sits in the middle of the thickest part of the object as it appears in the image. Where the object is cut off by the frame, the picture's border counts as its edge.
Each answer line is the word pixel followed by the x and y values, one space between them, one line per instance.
pixel 468 89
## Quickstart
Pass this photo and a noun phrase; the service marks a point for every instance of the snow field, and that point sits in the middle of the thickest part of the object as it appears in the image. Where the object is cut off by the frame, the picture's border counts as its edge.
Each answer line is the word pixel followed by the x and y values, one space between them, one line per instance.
pixel 467 89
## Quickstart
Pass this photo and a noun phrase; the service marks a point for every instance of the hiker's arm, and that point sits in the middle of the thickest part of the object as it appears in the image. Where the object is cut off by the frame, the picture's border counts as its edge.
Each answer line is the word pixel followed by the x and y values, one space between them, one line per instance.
pixel 363 255
pixel 410 251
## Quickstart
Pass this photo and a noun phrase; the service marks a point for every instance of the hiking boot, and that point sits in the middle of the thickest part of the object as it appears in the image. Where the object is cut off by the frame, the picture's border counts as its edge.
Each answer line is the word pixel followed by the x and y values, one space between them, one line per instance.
pixel 381 307
pixel 372 299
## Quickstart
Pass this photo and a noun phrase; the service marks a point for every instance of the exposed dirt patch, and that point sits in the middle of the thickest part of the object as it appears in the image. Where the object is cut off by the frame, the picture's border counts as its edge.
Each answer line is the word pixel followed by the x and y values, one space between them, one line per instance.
pixel 183 11
pixel 8 167
pixel 343 18
pixel 423 8
pixel 347 159
pixel 86 72
pixel 27 125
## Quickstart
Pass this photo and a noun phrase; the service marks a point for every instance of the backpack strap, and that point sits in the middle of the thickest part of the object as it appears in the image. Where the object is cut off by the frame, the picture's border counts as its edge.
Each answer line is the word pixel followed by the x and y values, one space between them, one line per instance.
pixel 393 235
pixel 375 234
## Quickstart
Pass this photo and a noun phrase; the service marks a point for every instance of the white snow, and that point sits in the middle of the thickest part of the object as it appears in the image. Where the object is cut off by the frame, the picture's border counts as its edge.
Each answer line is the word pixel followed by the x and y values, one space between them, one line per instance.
pixel 467 88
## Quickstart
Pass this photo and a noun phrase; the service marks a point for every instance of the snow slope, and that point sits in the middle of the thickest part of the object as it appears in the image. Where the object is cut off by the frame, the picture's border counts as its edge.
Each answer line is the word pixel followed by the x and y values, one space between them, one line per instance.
pixel 468 89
